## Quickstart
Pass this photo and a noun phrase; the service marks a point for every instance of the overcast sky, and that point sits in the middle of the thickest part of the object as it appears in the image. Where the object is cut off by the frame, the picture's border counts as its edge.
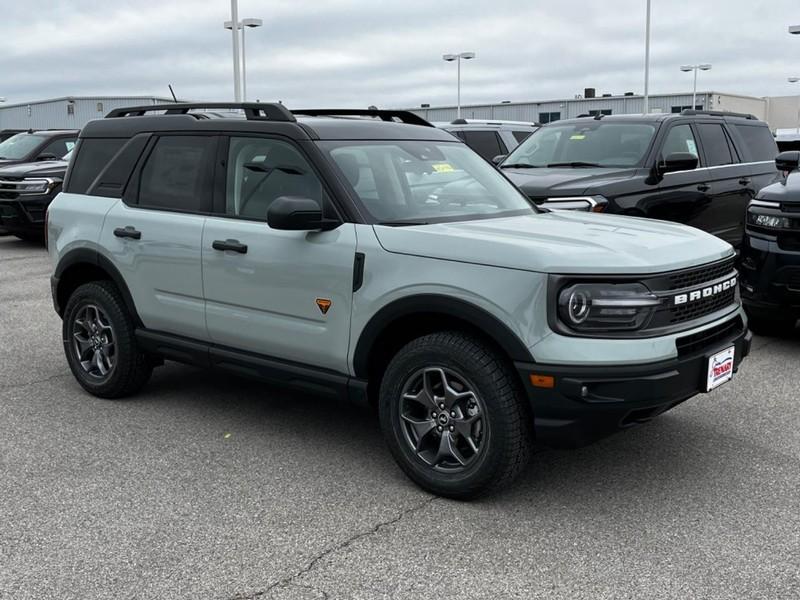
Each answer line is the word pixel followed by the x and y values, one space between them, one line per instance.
pixel 388 53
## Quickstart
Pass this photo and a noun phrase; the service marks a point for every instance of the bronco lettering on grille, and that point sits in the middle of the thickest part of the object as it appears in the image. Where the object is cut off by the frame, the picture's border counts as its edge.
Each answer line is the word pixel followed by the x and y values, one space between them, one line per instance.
pixel 706 292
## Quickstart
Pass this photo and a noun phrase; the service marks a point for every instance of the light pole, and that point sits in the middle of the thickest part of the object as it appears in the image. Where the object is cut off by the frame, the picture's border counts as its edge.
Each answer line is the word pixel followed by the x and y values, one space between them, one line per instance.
pixel 795 80
pixel 695 68
pixel 243 24
pixel 647 61
pixel 457 58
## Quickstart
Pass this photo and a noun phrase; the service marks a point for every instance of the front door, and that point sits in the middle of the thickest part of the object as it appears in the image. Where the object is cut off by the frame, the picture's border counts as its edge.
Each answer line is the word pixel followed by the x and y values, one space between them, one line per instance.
pixel 282 294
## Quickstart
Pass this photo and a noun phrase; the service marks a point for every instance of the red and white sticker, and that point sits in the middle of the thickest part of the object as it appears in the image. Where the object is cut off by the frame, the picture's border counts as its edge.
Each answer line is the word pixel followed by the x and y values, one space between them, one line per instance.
pixel 720 368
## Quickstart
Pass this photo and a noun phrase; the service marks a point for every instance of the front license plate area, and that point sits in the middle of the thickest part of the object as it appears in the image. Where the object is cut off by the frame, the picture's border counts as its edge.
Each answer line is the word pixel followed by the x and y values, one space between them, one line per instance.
pixel 720 368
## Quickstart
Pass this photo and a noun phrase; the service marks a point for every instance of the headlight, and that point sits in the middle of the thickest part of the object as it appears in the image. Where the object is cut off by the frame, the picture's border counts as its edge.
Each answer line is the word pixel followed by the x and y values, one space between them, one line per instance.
pixel 606 306
pixel 581 203
pixel 37 186
pixel 771 221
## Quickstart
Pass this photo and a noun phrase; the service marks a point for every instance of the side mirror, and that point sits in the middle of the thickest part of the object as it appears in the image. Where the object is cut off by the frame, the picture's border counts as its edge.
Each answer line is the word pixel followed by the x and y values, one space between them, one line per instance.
pixel 499 158
pixel 47 156
pixel 295 213
pixel 677 161
pixel 788 161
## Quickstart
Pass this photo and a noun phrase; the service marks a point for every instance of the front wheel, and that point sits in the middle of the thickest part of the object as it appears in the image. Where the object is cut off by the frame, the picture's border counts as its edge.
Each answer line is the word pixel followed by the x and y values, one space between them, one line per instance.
pixel 99 342
pixel 453 415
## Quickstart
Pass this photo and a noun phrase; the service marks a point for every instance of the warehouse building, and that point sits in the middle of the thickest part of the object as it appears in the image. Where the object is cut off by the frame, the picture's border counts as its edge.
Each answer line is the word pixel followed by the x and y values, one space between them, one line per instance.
pixel 773 110
pixel 69 112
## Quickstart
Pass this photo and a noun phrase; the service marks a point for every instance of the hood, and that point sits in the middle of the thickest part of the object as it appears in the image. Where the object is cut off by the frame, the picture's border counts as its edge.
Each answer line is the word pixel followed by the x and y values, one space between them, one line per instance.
pixel 561 242
pixel 42 168
pixel 564 181
pixel 783 190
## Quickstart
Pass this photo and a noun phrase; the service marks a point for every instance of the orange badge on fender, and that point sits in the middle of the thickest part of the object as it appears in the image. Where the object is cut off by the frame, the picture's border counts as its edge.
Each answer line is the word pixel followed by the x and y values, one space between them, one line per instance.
pixel 324 305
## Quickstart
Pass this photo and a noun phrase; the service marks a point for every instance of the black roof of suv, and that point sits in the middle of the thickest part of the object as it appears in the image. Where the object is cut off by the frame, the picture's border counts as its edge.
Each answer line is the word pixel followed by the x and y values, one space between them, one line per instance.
pixel 695 167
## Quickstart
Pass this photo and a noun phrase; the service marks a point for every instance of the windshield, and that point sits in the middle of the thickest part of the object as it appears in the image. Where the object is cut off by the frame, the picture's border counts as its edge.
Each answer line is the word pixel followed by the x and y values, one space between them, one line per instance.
pixel 19 146
pixel 587 143
pixel 410 181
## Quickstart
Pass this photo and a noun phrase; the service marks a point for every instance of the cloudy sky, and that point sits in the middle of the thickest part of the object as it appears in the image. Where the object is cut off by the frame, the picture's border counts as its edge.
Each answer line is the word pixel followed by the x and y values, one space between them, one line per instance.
pixel 388 53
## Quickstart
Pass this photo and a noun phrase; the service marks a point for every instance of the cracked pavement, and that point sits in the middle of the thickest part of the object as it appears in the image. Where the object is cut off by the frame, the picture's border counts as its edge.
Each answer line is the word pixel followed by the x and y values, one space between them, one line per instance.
pixel 208 486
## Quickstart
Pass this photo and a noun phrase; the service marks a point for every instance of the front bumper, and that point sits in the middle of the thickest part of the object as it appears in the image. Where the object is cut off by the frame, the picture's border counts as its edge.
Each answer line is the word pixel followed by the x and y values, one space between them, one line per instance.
pixel 24 214
pixel 588 403
pixel 770 277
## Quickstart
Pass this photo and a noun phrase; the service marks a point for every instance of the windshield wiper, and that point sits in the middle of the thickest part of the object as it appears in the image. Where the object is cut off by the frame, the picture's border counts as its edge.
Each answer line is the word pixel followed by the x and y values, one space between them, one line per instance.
pixel 519 166
pixel 574 163
pixel 401 223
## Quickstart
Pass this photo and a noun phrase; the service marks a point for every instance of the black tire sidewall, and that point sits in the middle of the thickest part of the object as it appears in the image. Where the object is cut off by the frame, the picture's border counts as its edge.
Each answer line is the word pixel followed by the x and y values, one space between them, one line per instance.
pixel 478 477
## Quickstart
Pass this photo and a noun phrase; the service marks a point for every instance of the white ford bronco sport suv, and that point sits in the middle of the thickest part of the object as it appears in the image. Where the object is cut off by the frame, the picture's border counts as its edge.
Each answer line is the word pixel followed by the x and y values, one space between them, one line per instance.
pixel 364 254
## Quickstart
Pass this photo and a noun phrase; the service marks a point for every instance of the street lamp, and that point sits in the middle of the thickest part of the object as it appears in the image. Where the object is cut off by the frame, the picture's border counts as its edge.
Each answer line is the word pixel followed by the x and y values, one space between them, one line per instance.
pixel 243 24
pixel 235 34
pixel 457 58
pixel 695 68
pixel 795 80
pixel 647 61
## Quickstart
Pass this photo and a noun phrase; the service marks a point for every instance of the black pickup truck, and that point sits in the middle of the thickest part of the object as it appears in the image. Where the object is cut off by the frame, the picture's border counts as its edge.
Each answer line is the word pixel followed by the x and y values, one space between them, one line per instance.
pixel 26 191
pixel 700 168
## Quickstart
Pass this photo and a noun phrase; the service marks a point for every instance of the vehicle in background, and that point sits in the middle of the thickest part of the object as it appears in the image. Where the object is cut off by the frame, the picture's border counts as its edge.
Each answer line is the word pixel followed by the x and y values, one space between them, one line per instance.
pixel 787 139
pixel 26 190
pixel 7 133
pixel 770 258
pixel 32 146
pixel 700 168
pixel 490 138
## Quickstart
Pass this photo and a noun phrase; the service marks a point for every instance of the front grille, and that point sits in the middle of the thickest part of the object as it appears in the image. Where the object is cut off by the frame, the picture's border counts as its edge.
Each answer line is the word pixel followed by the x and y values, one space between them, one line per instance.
pixel 702 307
pixel 698 276
pixel 706 340
pixel 8 187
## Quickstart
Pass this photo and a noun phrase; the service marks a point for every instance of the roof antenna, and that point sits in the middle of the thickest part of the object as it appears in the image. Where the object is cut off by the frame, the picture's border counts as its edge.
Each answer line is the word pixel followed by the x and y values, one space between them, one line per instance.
pixel 174 99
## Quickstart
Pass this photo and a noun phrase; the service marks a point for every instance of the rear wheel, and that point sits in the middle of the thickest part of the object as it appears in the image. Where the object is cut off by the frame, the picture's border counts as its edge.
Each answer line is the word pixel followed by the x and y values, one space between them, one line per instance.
pixel 99 342
pixel 453 415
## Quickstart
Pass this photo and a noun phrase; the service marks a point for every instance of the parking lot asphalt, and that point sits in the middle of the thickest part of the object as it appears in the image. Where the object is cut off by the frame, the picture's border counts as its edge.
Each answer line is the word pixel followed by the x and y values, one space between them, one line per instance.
pixel 208 486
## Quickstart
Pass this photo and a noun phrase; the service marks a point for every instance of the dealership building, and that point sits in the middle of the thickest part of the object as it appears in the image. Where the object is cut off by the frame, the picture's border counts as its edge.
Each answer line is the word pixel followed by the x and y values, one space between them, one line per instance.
pixel 779 111
pixel 69 112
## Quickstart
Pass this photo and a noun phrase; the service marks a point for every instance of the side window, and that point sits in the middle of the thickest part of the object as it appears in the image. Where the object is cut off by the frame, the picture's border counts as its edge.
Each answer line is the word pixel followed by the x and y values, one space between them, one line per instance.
pixel 58 148
pixel 521 136
pixel 759 142
pixel 485 143
pixel 261 170
pixel 92 157
pixel 177 174
pixel 715 144
pixel 679 139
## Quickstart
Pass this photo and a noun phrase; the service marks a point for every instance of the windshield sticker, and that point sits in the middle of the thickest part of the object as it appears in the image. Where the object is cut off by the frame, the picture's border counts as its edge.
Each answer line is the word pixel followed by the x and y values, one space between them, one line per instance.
pixel 443 168
pixel 691 147
pixel 577 136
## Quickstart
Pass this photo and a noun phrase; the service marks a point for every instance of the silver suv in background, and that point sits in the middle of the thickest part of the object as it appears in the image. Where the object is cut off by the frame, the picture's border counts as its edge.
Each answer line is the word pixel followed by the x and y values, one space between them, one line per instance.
pixel 491 139
pixel 365 255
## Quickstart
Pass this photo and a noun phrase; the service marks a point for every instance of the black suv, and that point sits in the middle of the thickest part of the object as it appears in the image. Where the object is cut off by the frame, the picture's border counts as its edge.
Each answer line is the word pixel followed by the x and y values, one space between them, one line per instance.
pixel 26 190
pixel 32 146
pixel 770 261
pixel 700 168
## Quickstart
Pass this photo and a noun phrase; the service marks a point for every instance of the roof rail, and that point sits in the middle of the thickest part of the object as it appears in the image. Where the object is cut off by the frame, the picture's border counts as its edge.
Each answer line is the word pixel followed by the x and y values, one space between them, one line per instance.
pixel 404 116
pixel 717 113
pixel 254 111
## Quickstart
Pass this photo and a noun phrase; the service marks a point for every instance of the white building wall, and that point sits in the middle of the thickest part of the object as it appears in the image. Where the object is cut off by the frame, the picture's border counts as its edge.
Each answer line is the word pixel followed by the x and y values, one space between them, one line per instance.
pixel 783 112
pixel 739 104
pixel 55 114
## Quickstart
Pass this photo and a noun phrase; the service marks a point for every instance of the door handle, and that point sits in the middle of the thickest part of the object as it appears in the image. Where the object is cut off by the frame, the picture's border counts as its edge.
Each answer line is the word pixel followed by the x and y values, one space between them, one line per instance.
pixel 744 181
pixel 232 245
pixel 128 232
pixel 703 187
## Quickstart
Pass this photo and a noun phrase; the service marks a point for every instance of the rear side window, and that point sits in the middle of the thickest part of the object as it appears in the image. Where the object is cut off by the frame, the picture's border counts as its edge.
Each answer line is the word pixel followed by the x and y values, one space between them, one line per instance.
pixel 715 144
pixel 759 141
pixel 178 174
pixel 521 136
pixel 91 158
pixel 485 143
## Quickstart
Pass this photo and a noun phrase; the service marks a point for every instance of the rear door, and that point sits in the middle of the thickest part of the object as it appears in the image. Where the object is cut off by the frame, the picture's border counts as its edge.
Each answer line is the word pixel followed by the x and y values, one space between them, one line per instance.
pixel 281 294
pixel 153 237
pixel 729 180
pixel 757 147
